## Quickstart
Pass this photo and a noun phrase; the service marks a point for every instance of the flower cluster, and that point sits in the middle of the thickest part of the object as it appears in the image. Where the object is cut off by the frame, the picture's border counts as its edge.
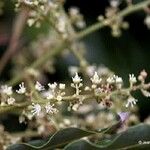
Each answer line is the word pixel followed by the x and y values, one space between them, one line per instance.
pixel 76 18
pixel 112 19
pixel 100 88
pixel 7 94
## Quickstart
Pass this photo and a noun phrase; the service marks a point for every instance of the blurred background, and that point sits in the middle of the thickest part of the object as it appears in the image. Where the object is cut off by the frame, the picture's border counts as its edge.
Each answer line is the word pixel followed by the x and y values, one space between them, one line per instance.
pixel 129 53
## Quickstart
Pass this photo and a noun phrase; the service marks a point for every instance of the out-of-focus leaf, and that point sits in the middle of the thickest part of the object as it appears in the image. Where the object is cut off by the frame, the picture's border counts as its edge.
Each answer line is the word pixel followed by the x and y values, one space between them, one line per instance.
pixel 127 140
pixel 61 138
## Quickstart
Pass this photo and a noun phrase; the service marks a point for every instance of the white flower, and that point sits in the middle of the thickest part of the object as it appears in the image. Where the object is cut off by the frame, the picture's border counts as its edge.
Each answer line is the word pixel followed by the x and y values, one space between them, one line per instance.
pixel 76 79
pixel 132 79
pixel 118 79
pixel 72 70
pixel 80 24
pixel 52 86
pixel 110 80
pixel 147 21
pixel 6 89
pixel 114 3
pixel 96 79
pixel 91 70
pixel 50 96
pixel 30 22
pixel 59 97
pixel 10 101
pixel 131 102
pixel 75 107
pixel 74 11
pixel 36 109
pixel 62 86
pixel 28 2
pixel 39 87
pixel 22 89
pixel 61 24
pixel 50 108
pixel 87 88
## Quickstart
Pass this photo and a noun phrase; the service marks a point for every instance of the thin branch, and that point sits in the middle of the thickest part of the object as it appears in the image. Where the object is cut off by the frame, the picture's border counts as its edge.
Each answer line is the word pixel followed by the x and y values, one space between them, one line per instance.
pixel 18 27
pixel 129 10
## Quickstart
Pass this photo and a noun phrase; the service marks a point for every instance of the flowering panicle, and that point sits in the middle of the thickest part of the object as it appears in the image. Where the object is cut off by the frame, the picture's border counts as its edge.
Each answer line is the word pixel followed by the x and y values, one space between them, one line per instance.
pixel 102 89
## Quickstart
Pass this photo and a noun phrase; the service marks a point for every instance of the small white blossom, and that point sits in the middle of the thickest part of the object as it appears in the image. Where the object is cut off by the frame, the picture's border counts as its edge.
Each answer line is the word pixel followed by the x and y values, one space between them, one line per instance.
pixel 110 80
pixel 3 104
pixel 132 79
pixel 96 79
pixel 52 86
pixel 50 108
pixel 75 107
pixel 91 70
pixel 67 121
pixel 72 70
pixel 81 24
pixel 50 96
pixel 118 79
pixel 30 22
pixel 114 3
pixel 10 101
pixel 52 5
pixel 39 87
pixel 76 79
pixel 74 11
pixel 6 89
pixel 87 88
pixel 36 109
pixel 62 86
pixel 131 102
pixel 147 21
pixel 77 83
pixel 61 24
pixel 59 97
pixel 22 89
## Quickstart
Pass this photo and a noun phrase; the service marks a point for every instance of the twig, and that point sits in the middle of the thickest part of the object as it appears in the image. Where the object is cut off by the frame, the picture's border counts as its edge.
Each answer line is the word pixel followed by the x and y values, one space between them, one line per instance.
pixel 18 27
pixel 129 10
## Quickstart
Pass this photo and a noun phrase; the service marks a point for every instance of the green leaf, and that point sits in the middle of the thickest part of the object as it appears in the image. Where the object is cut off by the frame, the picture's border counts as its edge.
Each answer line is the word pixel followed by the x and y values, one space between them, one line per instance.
pixel 127 140
pixel 60 138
